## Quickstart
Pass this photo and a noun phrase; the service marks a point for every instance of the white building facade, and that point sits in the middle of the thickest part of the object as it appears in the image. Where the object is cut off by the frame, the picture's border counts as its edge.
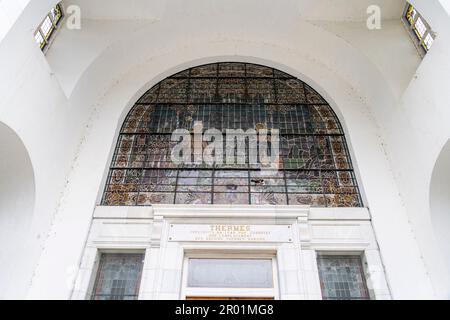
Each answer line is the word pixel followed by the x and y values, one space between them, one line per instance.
pixel 66 225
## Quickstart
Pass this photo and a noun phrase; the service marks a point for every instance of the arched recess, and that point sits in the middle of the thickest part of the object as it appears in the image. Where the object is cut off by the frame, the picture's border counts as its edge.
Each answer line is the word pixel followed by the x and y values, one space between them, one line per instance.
pixel 440 202
pixel 17 197
pixel 315 161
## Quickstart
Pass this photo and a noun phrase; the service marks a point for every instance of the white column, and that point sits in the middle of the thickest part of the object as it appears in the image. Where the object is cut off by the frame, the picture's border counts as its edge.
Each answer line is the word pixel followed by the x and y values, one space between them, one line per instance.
pixel 375 276
pixel 163 267
pixel 311 274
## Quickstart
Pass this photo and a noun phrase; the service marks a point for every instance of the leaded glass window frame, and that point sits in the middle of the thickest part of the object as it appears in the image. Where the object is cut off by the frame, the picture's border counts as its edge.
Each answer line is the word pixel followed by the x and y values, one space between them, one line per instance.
pixel 419 30
pixel 316 167
pixel 46 30
pixel 117 285
pixel 342 276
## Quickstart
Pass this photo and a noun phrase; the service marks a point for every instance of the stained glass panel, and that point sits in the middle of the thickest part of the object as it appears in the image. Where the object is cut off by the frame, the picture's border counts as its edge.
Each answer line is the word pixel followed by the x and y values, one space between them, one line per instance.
pixel 118 277
pixel 342 278
pixel 48 26
pixel 314 166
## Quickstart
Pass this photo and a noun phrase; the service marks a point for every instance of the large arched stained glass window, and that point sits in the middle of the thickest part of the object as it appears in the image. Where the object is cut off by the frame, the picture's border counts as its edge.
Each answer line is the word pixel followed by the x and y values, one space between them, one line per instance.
pixel 314 167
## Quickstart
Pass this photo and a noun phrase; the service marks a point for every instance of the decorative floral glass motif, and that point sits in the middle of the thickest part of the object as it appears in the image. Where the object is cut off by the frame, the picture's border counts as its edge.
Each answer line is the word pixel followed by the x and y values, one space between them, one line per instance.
pixel 48 27
pixel 419 27
pixel 315 166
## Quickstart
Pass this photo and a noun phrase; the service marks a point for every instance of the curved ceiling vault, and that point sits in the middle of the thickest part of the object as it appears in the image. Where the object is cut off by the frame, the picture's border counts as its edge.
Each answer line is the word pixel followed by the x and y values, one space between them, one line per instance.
pixel 129 45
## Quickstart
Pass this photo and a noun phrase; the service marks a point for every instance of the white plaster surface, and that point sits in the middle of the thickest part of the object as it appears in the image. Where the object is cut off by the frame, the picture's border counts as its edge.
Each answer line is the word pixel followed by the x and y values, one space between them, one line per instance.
pixel 68 106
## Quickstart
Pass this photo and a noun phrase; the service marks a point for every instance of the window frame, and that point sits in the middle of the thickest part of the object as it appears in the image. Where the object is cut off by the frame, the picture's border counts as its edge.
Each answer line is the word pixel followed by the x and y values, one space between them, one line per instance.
pixel 97 265
pixel 245 293
pixel 48 38
pixel 420 41
pixel 358 254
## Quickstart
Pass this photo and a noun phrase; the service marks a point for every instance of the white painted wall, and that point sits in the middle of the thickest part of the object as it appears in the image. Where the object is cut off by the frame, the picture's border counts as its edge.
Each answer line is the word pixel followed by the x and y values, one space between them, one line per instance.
pixel 440 203
pixel 68 111
pixel 35 108
pixel 415 131
pixel 10 10
pixel 445 4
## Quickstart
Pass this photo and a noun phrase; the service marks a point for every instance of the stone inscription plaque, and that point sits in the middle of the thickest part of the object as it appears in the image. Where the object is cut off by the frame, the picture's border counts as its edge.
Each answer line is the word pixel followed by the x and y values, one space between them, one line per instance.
pixel 228 232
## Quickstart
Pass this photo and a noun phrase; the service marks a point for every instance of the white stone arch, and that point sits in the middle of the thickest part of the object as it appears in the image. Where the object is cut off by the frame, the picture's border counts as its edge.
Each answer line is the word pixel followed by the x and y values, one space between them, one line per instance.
pixel 440 205
pixel 17 199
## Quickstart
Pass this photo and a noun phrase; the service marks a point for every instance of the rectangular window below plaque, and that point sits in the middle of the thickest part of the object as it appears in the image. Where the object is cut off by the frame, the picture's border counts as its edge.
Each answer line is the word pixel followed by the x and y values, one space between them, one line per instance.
pixel 118 277
pixel 342 278
pixel 230 273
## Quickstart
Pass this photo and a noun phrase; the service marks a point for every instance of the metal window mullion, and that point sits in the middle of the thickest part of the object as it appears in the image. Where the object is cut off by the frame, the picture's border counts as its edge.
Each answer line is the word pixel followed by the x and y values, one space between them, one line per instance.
pixel 249 187
pixel 45 42
pixel 286 187
pixel 188 88
pixel 51 20
pixel 131 156
pixel 427 30
pixel 319 169
pixel 246 96
pixel 52 28
pixel 422 41
pixel 213 183
pixel 416 18
pixel 139 277
pixel 58 16
pixel 416 32
pixel 99 273
pixel 114 159
pixel 176 187
pixel 275 89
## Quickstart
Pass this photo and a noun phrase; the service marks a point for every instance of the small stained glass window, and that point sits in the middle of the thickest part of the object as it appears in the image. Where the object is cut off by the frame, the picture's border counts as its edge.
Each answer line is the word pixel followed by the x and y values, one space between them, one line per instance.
pixel 118 277
pixel 428 41
pixel 48 26
pixel 411 14
pixel 39 39
pixel 342 278
pixel 421 31
pixel 56 13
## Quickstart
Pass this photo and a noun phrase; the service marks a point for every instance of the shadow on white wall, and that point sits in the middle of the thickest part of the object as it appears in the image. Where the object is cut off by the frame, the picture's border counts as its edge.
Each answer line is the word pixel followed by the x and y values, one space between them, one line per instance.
pixel 17 195
pixel 440 203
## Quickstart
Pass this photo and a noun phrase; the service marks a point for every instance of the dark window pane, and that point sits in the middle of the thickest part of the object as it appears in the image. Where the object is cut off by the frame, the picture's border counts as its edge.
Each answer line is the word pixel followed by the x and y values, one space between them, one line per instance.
pixel 47 28
pixel 342 278
pixel 118 277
